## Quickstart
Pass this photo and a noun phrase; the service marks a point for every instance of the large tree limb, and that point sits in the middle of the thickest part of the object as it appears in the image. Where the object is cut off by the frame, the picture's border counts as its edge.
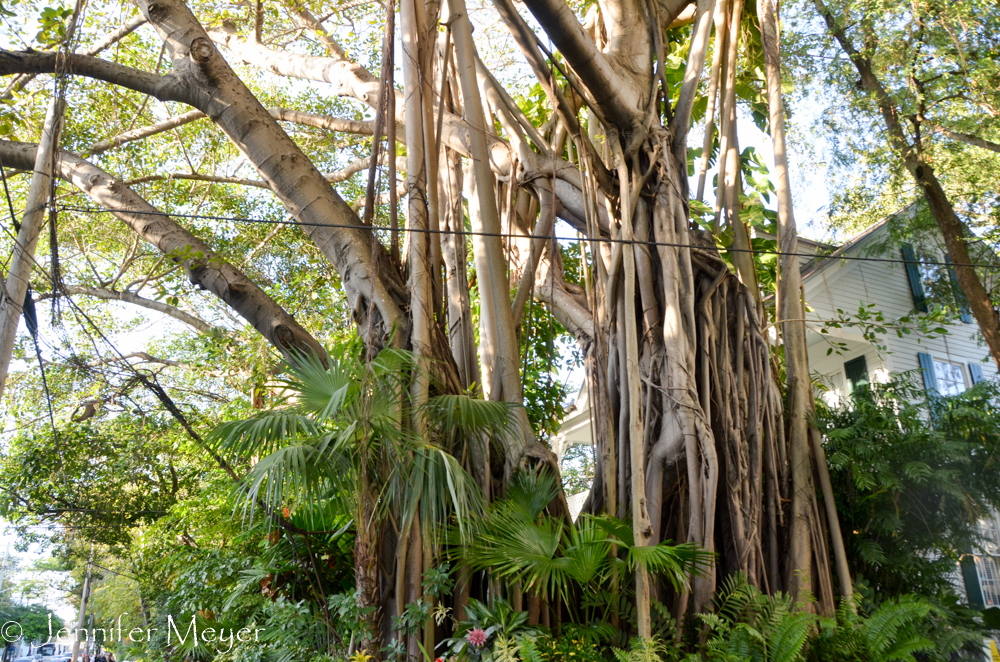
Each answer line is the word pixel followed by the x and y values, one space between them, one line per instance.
pixel 570 309
pixel 621 100
pixel 371 282
pixel 201 78
pixel 208 271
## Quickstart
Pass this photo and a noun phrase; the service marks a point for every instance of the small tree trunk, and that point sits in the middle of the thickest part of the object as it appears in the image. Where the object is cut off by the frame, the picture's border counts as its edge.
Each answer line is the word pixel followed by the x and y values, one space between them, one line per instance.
pixel 721 13
pixel 728 203
pixel 490 264
pixel 951 227
pixel 641 528
pixel 954 233
pixel 460 328
pixel 793 330
pixel 418 258
pixel 791 313
pixel 27 237
pixel 366 572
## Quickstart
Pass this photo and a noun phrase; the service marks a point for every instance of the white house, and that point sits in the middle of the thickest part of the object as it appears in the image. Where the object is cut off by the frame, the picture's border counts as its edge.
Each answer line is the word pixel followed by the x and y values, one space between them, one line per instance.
pixel 897 279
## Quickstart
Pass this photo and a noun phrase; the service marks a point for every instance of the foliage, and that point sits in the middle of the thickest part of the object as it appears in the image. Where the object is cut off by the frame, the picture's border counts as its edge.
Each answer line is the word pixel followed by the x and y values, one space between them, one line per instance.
pixel 343 433
pixel 522 543
pixel 577 469
pixel 870 321
pixel 34 620
pixel 910 494
pixel 748 625
pixel 937 62
pixel 500 628
pixel 895 631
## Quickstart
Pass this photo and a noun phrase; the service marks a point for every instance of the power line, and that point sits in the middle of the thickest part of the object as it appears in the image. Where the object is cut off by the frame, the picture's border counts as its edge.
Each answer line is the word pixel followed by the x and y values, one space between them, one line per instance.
pixel 511 235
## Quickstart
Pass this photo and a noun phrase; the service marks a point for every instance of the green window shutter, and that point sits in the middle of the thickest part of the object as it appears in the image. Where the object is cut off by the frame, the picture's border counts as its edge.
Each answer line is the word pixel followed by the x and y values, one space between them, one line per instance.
pixel 927 367
pixel 856 371
pixel 970 577
pixel 913 274
pixel 976 372
pixel 963 303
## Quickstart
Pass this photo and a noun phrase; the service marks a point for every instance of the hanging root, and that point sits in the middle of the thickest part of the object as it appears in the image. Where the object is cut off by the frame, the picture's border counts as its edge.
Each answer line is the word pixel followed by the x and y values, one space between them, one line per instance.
pixel 713 432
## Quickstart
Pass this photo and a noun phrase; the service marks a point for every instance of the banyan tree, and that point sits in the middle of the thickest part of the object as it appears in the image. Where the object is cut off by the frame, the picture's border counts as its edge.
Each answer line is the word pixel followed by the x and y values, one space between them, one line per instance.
pixel 701 426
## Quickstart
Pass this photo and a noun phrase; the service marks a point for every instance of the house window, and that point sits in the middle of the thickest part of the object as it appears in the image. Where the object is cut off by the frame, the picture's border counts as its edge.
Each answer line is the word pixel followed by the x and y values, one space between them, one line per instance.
pixel 857 373
pixel 934 281
pixel 950 377
pixel 989 580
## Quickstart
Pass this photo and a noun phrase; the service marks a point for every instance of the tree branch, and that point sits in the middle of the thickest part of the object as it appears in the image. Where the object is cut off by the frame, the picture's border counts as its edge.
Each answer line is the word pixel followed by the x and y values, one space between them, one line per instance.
pixel 280 114
pixel 307 20
pixel 196 177
pixel 143 132
pixel 353 80
pixel 112 38
pixel 193 321
pixel 164 88
pixel 335 177
pixel 208 271
pixel 967 138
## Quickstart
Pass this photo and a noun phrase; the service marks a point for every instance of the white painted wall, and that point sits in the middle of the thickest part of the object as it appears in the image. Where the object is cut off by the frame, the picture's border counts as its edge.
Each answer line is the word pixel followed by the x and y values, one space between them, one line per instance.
pixel 846 284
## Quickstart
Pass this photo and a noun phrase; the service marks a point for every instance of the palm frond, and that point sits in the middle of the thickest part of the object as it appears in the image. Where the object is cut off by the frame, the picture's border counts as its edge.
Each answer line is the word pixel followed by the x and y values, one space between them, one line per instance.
pixel 298 472
pixel 261 434
pixel 461 414
pixel 324 390
pixel 675 562
pixel 446 491
pixel 531 492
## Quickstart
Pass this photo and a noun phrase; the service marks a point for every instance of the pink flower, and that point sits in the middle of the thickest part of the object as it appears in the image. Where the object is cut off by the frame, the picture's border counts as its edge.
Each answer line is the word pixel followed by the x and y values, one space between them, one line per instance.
pixel 476 637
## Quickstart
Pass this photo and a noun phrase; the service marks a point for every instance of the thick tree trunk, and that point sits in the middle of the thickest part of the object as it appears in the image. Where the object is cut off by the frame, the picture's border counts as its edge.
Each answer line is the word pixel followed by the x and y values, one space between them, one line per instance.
pixel 689 417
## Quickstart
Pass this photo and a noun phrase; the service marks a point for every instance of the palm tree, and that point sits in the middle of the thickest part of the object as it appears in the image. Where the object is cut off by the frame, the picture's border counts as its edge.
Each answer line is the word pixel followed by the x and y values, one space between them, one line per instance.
pixel 547 557
pixel 343 433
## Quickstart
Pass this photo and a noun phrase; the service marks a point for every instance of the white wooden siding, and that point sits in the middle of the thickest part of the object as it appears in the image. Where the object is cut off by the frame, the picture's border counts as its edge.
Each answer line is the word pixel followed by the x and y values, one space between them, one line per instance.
pixel 846 284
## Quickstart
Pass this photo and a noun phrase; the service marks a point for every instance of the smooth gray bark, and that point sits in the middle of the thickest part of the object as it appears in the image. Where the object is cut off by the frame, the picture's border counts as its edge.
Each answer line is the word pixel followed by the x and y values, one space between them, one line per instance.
pixel 19 270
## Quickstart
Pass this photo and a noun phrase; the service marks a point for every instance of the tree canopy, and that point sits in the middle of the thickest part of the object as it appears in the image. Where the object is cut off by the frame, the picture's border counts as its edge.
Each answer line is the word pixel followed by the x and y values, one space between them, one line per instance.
pixel 307 286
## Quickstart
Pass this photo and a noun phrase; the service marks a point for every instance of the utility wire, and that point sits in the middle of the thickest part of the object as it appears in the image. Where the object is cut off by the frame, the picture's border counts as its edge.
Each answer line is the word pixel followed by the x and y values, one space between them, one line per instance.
pixel 511 235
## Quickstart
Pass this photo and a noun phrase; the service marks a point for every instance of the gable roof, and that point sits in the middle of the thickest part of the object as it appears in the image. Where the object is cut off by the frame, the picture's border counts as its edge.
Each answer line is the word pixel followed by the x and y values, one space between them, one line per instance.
pixel 819 263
